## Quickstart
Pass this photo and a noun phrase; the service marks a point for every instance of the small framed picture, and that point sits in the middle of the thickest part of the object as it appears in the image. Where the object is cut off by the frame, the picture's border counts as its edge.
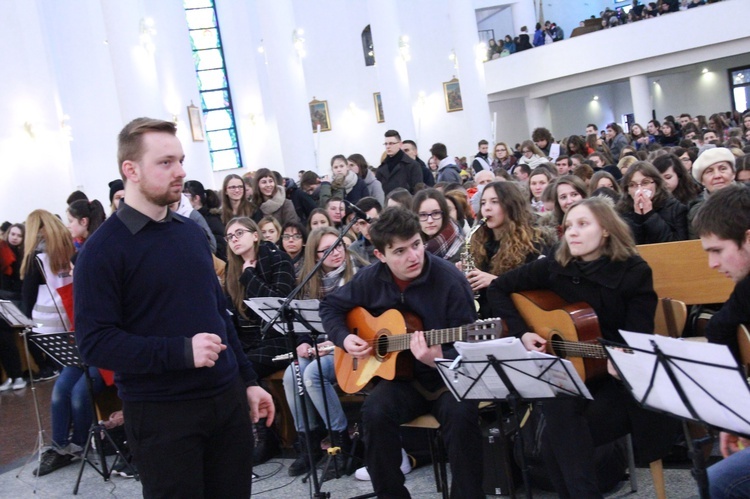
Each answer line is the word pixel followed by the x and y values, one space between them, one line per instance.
pixel 452 91
pixel 319 115
pixel 196 123
pixel 378 107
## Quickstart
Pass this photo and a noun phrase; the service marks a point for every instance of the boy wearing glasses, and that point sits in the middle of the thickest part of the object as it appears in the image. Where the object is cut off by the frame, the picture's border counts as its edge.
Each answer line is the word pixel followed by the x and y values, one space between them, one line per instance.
pixel 409 280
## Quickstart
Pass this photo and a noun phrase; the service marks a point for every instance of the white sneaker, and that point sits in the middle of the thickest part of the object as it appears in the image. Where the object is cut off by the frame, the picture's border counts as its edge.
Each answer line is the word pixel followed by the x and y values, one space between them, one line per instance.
pixel 19 384
pixel 362 474
pixel 7 385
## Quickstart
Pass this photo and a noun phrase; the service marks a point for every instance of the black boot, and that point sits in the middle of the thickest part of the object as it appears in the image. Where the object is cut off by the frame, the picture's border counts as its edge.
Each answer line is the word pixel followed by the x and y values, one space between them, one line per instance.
pixel 301 465
pixel 265 441
pixel 337 467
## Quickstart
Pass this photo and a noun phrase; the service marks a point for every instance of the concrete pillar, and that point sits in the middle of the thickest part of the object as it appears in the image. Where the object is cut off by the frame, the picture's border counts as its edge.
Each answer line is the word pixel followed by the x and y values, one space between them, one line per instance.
pixel 640 94
pixel 393 71
pixel 524 14
pixel 288 93
pixel 538 113
pixel 465 38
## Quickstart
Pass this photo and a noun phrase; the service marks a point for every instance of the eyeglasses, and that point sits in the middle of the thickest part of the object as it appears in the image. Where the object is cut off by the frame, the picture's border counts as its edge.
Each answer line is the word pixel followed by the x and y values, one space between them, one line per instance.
pixel 386 144
pixel 234 187
pixel 289 237
pixel 339 247
pixel 435 215
pixel 644 183
pixel 237 234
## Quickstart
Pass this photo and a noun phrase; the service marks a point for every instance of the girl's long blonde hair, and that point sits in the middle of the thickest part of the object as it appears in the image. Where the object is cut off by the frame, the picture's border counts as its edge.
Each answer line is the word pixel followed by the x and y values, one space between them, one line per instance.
pixel 42 225
pixel 313 288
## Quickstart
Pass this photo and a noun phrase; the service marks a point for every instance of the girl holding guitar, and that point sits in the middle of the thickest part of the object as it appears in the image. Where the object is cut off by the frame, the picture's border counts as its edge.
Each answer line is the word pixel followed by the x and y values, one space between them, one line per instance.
pixel 596 263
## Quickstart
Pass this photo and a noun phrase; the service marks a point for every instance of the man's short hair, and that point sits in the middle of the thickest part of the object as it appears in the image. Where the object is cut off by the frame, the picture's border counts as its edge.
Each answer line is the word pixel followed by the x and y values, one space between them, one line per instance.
pixel 309 178
pixel 410 142
pixel 482 143
pixel 393 133
pixel 130 139
pixel 563 158
pixel 333 199
pixel 439 151
pixel 394 222
pixel 368 202
pixel 592 126
pixel 725 214
pixel 524 168
pixel 685 115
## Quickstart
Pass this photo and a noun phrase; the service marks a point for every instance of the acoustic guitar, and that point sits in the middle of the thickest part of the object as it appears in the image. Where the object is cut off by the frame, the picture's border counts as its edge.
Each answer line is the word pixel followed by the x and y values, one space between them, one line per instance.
pixel 389 334
pixel 571 329
pixel 743 340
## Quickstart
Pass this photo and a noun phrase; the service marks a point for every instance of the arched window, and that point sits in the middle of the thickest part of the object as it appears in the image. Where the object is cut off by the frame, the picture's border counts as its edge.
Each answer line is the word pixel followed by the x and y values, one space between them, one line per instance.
pixel 367 48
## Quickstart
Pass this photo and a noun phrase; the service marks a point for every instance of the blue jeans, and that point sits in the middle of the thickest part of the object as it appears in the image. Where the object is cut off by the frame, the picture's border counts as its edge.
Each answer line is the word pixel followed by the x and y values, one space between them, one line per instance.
pixel 730 478
pixel 314 387
pixel 71 403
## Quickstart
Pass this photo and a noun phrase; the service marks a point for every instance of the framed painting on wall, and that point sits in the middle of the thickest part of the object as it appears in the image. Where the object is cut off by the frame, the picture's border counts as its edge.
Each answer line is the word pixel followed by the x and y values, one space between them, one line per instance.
pixel 319 115
pixel 452 91
pixel 378 107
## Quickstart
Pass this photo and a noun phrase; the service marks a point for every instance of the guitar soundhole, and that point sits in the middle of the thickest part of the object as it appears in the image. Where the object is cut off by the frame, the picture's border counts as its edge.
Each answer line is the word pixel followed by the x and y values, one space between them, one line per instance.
pixel 558 345
pixel 380 346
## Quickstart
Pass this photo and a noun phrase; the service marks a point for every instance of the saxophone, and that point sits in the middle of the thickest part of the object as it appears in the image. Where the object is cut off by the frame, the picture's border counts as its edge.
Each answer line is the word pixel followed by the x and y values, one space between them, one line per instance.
pixel 467 259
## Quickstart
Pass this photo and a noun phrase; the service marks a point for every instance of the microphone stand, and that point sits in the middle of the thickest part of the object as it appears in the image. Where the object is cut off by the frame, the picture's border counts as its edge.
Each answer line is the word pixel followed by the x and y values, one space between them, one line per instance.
pixel 286 311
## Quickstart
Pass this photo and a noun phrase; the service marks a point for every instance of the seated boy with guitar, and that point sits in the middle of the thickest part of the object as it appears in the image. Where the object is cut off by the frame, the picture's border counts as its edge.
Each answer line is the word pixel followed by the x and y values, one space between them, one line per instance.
pixel 723 224
pixel 412 282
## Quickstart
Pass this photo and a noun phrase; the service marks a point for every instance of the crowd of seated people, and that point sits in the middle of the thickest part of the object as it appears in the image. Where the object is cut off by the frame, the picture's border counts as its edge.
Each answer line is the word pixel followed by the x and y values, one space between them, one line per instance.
pixel 511 208
pixel 550 32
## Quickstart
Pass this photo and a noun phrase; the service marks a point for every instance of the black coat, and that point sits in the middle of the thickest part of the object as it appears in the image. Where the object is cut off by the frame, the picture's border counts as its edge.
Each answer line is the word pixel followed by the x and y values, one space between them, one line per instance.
pixel 722 328
pixel 666 224
pixel 217 229
pixel 403 172
pixel 623 297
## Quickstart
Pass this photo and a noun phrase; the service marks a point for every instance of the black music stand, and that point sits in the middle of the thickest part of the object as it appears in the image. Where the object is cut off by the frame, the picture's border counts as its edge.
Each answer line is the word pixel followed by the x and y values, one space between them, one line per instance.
pixel 692 381
pixel 62 348
pixel 497 370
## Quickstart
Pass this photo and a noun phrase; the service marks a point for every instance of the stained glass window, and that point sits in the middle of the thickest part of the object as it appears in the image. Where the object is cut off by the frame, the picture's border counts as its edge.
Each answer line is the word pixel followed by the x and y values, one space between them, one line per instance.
pixel 213 83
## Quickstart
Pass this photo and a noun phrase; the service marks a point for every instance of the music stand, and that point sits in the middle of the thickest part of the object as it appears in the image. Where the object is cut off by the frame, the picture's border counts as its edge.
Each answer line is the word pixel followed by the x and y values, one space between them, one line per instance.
pixel 503 369
pixel 17 320
pixel 62 348
pixel 692 381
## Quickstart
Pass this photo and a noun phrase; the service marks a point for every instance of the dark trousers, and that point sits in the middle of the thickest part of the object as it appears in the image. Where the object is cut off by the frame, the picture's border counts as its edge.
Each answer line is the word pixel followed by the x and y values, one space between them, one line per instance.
pixel 10 358
pixel 193 448
pixel 574 427
pixel 392 403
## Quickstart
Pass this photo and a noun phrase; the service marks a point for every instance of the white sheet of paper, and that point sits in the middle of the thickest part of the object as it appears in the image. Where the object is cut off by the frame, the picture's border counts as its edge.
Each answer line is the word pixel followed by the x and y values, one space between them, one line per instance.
pixel 711 390
pixel 554 152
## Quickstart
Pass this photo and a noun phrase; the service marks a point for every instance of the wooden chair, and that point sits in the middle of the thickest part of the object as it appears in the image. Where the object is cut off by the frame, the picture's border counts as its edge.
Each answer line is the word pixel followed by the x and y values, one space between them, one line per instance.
pixel 283 420
pixel 428 423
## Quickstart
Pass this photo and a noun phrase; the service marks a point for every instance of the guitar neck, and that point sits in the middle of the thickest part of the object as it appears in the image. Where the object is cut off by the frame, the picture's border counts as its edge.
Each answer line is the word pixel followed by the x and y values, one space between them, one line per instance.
pixel 397 343
pixel 567 348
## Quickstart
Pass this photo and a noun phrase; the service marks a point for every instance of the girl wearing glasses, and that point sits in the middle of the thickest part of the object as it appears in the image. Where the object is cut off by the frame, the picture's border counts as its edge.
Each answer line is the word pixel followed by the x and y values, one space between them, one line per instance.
pixel 532 155
pixel 336 270
pixel 503 157
pixel 652 213
pixel 293 239
pixel 506 241
pixel 234 201
pixel 442 236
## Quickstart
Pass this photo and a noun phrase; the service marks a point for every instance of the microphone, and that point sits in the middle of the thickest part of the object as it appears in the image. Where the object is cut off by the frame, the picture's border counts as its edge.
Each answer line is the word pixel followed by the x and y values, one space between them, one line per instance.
pixel 358 211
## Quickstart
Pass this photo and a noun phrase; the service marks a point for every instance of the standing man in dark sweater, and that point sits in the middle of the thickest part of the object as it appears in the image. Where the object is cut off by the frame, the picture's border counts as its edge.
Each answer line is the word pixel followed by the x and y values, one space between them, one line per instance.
pixel 398 169
pixel 149 307
pixel 482 158
pixel 410 149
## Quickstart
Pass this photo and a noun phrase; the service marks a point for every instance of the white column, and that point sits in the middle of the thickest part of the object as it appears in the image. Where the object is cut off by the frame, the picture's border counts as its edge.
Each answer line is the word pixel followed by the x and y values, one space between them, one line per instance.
pixel 287 89
pixel 640 94
pixel 393 74
pixel 538 113
pixel 524 14
pixel 465 38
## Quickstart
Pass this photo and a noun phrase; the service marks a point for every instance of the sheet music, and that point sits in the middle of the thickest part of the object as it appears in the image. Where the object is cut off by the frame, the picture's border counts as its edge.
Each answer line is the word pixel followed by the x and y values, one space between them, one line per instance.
pixel 472 377
pixel 13 316
pixel 720 380
pixel 267 307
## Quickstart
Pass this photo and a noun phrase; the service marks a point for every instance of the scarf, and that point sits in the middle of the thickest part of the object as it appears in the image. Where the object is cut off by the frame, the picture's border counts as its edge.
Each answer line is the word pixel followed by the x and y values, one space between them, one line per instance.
pixel 392 161
pixel 272 205
pixel 446 243
pixel 330 281
pixel 350 181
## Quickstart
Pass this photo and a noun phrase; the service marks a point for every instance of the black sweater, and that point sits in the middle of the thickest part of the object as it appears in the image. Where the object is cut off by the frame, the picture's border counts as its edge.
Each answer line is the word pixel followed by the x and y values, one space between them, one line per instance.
pixel 143 290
